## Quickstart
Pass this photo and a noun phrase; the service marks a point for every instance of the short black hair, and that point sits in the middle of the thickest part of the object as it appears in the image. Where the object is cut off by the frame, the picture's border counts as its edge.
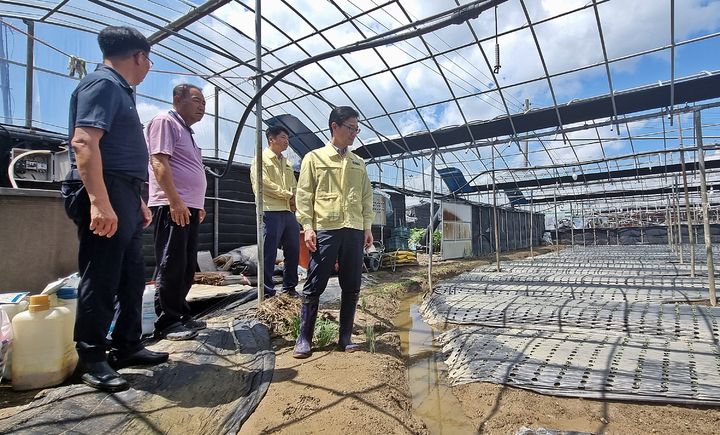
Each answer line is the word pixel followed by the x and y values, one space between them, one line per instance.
pixel 341 114
pixel 275 130
pixel 182 90
pixel 121 42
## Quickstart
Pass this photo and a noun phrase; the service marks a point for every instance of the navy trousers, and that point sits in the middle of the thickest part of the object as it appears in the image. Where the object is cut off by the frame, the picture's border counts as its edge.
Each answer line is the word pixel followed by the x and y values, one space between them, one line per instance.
pixel 176 261
pixel 281 229
pixel 111 270
pixel 344 245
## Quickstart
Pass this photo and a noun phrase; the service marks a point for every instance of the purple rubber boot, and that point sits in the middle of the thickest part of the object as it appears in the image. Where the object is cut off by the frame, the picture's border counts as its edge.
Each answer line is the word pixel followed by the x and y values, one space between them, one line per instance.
pixel 308 315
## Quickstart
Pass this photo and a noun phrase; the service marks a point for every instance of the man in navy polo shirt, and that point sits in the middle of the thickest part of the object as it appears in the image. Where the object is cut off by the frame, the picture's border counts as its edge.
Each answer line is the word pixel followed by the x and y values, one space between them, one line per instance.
pixel 102 196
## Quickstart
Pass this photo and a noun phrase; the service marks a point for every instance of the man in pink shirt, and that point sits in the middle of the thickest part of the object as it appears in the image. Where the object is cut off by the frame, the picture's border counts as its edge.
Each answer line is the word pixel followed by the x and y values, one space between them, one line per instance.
pixel 177 198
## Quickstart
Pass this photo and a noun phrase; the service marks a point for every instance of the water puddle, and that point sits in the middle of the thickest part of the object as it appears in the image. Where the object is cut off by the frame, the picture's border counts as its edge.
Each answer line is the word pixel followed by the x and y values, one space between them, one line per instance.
pixel 432 398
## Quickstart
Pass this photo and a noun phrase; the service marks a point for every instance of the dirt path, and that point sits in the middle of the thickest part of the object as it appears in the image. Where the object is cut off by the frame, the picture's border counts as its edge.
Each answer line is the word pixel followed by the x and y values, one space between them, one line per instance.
pixel 334 392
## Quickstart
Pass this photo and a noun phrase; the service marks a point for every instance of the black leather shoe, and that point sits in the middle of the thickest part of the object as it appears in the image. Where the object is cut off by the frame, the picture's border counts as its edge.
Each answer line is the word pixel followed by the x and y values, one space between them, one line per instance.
pixel 101 376
pixel 143 357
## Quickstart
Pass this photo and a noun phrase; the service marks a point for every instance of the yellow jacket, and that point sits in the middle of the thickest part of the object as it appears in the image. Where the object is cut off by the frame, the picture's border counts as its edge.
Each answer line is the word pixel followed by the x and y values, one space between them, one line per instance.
pixel 279 182
pixel 334 191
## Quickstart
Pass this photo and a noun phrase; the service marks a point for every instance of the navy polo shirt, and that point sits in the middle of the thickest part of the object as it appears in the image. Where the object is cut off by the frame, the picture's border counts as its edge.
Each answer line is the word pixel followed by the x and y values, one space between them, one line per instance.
pixel 105 100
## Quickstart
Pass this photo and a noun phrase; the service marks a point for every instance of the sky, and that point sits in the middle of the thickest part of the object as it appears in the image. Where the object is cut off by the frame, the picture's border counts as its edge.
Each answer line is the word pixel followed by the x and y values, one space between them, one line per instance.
pixel 418 93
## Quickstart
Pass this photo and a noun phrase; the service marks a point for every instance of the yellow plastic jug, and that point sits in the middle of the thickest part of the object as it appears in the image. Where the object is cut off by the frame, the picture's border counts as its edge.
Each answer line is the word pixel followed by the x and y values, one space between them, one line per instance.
pixel 43 353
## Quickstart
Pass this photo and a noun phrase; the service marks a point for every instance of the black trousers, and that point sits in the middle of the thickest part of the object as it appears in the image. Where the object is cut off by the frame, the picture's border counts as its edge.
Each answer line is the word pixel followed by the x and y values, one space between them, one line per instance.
pixel 344 245
pixel 176 261
pixel 111 271
pixel 281 229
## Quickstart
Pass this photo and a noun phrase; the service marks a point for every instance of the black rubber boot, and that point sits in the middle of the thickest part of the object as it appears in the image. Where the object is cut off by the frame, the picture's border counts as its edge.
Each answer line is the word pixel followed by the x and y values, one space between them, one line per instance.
pixel 348 305
pixel 308 316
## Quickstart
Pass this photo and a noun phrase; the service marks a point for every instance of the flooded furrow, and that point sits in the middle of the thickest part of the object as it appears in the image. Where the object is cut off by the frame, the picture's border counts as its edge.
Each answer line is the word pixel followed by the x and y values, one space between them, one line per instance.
pixel 432 398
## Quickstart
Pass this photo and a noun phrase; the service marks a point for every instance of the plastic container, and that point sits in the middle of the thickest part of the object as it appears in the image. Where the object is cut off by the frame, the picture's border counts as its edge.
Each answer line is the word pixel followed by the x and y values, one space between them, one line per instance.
pixel 402 232
pixel 6 337
pixel 73 280
pixel 68 298
pixel 304 259
pixel 11 310
pixel 43 353
pixel 149 316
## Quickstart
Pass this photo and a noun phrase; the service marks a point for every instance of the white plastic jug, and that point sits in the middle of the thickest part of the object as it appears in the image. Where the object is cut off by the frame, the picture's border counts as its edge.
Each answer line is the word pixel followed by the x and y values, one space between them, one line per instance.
pixel 149 316
pixel 43 353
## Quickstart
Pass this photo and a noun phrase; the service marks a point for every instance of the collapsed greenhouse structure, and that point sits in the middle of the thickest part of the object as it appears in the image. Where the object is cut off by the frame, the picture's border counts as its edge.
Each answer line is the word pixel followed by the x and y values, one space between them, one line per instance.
pixel 504 125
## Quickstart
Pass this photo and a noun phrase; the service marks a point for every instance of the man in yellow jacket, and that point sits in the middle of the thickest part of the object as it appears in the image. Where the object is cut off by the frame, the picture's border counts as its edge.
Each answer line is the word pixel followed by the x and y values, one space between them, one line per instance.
pixel 334 207
pixel 281 227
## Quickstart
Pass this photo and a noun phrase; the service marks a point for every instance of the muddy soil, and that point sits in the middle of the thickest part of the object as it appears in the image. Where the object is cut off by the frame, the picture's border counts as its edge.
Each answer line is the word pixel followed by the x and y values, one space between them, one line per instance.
pixel 497 409
pixel 362 392
pixel 366 392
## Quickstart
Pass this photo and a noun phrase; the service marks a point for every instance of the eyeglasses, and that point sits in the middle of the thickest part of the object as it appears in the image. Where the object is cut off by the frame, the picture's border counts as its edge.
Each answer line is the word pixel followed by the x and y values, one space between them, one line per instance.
pixel 355 130
pixel 146 57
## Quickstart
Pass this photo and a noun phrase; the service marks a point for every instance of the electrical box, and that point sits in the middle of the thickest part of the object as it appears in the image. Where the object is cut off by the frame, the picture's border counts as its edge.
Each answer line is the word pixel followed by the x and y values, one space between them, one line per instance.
pixel 40 167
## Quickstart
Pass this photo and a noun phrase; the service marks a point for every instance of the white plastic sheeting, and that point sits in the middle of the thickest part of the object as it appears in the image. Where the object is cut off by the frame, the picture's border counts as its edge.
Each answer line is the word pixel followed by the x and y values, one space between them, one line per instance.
pixel 592 322
pixel 646 368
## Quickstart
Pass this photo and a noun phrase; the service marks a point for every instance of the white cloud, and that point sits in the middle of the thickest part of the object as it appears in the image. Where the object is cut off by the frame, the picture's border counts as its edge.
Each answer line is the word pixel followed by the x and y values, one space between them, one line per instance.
pixel 569 42
pixel 147 111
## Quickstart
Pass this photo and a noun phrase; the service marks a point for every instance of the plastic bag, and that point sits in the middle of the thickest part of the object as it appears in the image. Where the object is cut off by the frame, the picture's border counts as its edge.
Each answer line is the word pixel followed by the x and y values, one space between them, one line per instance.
pixel 6 337
pixel 242 261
